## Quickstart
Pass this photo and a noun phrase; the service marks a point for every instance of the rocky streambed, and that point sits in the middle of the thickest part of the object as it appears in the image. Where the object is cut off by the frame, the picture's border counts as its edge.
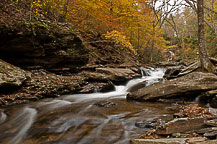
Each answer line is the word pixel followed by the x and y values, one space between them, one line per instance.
pixel 196 120
pixel 83 118
pixel 20 86
pixel 99 111
pixel 75 91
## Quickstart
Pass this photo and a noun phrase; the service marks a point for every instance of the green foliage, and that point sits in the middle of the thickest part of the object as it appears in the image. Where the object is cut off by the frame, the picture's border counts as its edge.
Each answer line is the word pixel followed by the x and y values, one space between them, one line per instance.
pixel 193 43
pixel 212 43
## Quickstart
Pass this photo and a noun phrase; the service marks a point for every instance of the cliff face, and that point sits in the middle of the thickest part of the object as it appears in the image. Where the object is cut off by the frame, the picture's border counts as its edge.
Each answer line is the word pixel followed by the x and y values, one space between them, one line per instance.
pixel 42 44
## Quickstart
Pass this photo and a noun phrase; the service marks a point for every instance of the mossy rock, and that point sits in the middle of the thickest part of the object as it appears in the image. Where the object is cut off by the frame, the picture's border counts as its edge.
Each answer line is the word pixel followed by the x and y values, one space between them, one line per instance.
pixel 11 76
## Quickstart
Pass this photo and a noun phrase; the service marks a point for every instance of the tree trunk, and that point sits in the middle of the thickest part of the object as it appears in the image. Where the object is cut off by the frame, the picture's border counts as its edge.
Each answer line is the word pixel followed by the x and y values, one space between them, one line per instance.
pixel 183 46
pixel 153 42
pixel 206 65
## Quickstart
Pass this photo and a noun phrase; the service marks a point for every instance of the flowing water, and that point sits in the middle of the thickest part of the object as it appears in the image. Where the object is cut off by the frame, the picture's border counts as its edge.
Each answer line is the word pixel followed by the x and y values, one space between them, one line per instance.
pixel 97 118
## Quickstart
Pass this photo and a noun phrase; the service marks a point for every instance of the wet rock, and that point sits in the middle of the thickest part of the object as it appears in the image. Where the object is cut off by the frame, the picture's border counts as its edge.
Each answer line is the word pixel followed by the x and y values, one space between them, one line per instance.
pixel 159 141
pixel 196 140
pixel 213 111
pixel 110 74
pixel 211 133
pixel 117 74
pixel 148 124
pixel 185 86
pixel 212 122
pixel 176 134
pixel 211 93
pixel 97 87
pixel 178 115
pixel 105 104
pixel 43 85
pixel 168 63
pixel 135 69
pixel 145 125
pixel 11 76
pixel 213 102
pixel 207 130
pixel 208 142
pixel 209 97
pixel 106 87
pixel 93 76
pixel 172 72
pixel 137 86
pixel 213 60
pixel 181 125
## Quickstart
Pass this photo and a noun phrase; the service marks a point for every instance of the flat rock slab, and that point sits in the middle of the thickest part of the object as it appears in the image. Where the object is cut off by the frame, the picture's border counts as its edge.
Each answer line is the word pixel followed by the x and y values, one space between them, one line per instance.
pixel 117 73
pixel 159 141
pixel 191 84
pixel 194 140
pixel 11 76
pixel 206 130
pixel 43 84
pixel 181 125
pixel 113 74
pixel 208 142
pixel 212 122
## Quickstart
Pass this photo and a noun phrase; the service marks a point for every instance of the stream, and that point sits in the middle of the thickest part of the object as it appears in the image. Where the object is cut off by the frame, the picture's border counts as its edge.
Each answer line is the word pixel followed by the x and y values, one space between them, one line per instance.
pixel 97 118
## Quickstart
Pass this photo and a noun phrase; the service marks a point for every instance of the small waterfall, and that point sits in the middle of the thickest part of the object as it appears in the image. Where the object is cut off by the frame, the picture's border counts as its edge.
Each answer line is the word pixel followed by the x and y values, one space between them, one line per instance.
pixel 150 75
pixel 96 89
pixel 145 71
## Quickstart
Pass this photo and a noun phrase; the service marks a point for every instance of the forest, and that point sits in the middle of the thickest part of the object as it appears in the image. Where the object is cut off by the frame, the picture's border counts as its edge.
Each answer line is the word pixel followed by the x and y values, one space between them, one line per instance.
pixel 147 28
pixel 108 71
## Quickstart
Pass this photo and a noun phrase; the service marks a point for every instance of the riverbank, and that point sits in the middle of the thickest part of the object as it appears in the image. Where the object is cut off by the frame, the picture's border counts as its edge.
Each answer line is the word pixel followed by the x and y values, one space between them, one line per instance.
pixel 39 84
pixel 49 59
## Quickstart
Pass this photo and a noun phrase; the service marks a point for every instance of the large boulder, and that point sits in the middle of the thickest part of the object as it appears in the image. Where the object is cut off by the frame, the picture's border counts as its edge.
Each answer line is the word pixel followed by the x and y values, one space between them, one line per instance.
pixel 209 96
pixel 188 85
pixel 111 74
pixel 11 76
pixel 172 72
pixel 117 73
